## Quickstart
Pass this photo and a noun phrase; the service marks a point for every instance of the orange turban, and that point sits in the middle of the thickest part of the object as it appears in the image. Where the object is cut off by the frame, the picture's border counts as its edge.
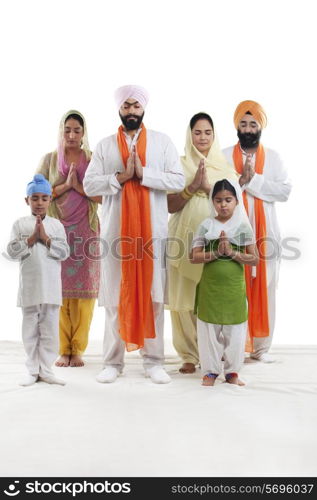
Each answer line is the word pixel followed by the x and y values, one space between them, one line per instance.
pixel 252 107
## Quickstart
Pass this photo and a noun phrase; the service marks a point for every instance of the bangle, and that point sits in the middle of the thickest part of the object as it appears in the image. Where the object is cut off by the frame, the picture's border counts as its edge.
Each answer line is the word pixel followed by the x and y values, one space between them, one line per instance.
pixel 189 193
pixel 186 194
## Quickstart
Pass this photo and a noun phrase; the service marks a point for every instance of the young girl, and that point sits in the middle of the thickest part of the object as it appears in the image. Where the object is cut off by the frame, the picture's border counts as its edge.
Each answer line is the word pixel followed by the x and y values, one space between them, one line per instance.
pixel 224 243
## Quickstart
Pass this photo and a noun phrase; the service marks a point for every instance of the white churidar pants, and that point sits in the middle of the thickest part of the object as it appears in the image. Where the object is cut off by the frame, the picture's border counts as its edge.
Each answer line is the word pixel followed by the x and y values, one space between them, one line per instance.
pixel 261 345
pixel 217 341
pixel 114 347
pixel 40 337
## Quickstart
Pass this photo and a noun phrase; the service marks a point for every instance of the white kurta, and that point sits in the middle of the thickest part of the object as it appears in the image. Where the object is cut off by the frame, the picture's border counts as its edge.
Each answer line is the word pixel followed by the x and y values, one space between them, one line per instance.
pixel 162 173
pixel 40 267
pixel 271 186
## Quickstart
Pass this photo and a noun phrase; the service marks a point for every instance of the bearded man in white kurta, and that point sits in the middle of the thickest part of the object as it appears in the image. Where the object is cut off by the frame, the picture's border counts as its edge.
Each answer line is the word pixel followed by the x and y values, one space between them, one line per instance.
pixel 264 181
pixel 133 170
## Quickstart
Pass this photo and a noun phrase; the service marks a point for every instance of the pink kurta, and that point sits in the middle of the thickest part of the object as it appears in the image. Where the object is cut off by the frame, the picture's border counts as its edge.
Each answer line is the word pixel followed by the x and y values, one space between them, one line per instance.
pixel 81 271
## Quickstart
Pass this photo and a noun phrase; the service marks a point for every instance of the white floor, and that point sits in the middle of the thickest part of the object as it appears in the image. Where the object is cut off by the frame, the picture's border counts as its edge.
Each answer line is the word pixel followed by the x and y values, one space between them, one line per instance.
pixel 136 428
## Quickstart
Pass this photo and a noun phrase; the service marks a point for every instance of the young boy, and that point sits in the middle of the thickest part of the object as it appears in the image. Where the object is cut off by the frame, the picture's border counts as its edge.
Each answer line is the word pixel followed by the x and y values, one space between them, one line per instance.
pixel 39 243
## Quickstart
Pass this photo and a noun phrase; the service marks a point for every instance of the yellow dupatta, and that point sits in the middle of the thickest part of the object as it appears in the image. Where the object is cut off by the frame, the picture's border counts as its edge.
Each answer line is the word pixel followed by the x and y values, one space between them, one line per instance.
pixel 184 223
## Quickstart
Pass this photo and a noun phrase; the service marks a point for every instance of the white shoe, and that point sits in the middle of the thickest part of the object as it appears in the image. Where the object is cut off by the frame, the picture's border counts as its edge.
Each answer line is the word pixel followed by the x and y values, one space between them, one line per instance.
pixel 28 380
pixel 158 375
pixel 265 358
pixel 52 380
pixel 108 375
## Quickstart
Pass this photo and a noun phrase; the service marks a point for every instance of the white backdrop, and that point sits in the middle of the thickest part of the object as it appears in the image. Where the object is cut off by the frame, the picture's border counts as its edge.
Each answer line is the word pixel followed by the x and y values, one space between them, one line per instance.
pixel 191 56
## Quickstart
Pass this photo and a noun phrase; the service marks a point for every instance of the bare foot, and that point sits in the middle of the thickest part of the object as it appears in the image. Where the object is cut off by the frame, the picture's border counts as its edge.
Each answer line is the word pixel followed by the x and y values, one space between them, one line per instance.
pixel 235 381
pixel 76 360
pixel 209 380
pixel 250 360
pixel 187 368
pixel 63 360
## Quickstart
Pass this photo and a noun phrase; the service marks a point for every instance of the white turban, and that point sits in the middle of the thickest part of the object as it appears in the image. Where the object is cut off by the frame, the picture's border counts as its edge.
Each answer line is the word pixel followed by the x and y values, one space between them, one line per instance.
pixel 136 92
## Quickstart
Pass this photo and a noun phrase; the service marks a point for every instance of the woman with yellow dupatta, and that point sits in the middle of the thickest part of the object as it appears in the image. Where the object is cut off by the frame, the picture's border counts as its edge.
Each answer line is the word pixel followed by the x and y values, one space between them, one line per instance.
pixel 203 165
pixel 65 169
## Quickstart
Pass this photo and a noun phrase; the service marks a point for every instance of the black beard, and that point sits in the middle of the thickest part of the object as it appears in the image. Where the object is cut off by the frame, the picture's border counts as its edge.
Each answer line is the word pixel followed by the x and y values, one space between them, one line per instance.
pixel 131 124
pixel 248 140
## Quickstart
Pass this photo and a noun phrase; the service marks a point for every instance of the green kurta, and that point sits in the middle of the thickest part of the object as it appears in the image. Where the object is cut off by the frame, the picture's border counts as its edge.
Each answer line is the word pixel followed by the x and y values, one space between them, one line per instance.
pixel 221 292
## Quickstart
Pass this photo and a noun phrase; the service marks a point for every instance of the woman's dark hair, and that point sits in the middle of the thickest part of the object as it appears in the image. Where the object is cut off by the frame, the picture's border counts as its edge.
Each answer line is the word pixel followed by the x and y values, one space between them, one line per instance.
pixel 223 185
pixel 75 116
pixel 200 116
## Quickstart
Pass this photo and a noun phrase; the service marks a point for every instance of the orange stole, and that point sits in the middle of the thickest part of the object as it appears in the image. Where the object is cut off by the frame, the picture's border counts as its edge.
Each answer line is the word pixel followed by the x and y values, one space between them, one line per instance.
pixel 258 321
pixel 136 318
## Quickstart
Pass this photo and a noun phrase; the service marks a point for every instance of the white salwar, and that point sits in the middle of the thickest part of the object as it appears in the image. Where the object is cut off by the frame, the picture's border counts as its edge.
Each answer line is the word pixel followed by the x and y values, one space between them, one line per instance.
pixel 217 342
pixel 271 186
pixel 162 173
pixel 40 338
pixel 114 347
pixel 40 290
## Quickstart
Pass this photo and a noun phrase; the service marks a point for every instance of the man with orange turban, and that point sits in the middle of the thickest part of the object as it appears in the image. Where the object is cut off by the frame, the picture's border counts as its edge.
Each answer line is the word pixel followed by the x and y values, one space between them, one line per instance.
pixel 133 170
pixel 264 181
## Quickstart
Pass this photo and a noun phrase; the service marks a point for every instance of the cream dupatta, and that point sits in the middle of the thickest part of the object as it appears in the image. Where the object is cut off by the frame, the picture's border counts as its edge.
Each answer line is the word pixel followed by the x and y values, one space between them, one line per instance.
pixel 183 224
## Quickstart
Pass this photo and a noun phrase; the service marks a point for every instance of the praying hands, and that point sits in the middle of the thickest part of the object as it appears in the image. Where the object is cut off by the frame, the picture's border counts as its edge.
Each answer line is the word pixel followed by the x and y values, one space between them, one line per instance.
pixel 72 179
pixel 38 234
pixel 224 248
pixel 134 168
pixel 248 171
pixel 200 180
